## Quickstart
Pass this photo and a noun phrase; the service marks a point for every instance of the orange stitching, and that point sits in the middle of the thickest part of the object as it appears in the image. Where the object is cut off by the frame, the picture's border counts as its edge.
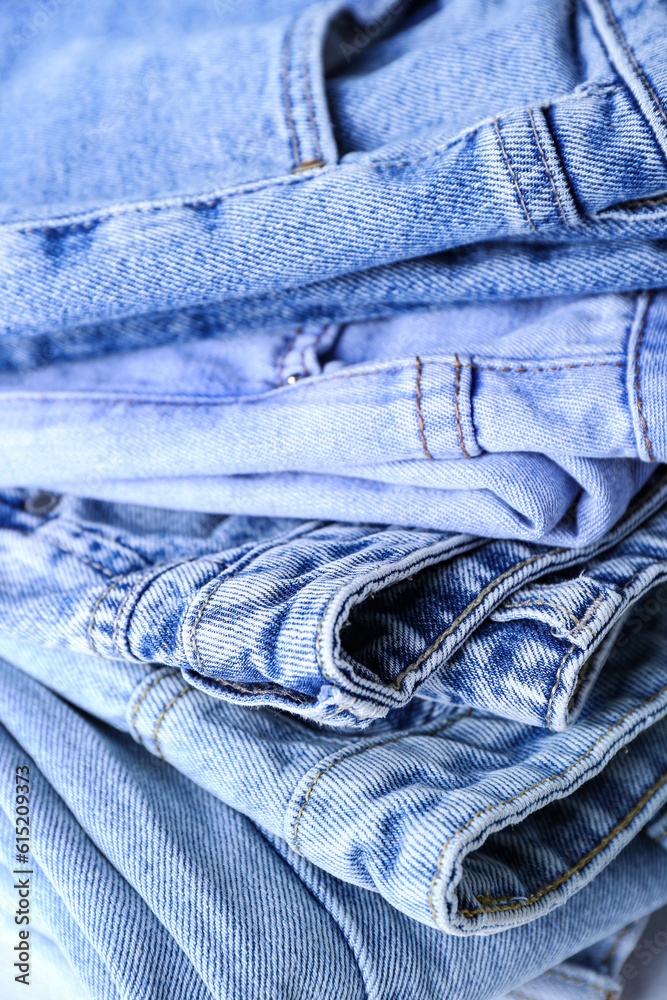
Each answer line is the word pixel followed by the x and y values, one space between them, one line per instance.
pixel 546 166
pixel 606 840
pixel 473 604
pixel 9 398
pixel 156 680
pixel 419 409
pixel 77 555
pixel 162 715
pixel 384 743
pixel 640 404
pixel 530 788
pixel 581 982
pixel 457 380
pixel 513 175
pixel 91 620
pixel 557 681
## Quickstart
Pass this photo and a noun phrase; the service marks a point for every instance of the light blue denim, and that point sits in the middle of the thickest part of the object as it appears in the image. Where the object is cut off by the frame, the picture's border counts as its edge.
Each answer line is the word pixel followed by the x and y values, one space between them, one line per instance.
pixel 241 167
pixel 154 889
pixel 536 420
pixel 436 806
pixel 337 623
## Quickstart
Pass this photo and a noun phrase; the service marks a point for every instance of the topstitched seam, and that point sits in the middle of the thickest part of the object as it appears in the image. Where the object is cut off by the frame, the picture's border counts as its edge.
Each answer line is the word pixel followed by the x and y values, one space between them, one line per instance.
pixel 307 90
pixel 613 23
pixel 546 167
pixel 77 555
pixel 513 175
pixel 360 750
pixel 305 384
pixel 296 154
pixel 162 714
pixel 457 381
pixel 420 416
pixel 135 709
pixel 91 619
pixel 212 201
pixel 537 604
pixel 580 982
pixel 554 689
pixel 640 404
pixel 529 788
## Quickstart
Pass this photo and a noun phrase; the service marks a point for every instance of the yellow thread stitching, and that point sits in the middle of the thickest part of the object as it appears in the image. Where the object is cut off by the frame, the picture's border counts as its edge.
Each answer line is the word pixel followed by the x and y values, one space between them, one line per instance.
pixel 339 760
pixel 162 715
pixel 620 826
pixel 530 788
pixel 152 684
pixel 580 982
pixel 422 433
pixel 91 620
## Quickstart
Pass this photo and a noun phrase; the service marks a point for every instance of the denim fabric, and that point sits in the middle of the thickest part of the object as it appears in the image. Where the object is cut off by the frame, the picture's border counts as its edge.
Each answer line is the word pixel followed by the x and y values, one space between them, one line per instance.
pixel 458 818
pixel 295 199
pixel 338 623
pixel 213 907
pixel 535 420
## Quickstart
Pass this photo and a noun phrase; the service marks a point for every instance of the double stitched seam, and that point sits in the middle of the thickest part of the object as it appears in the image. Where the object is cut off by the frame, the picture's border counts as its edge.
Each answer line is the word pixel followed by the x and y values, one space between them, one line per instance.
pixel 153 683
pixel 355 753
pixel 296 155
pixel 162 714
pixel 546 167
pixel 640 404
pixel 581 982
pixel 582 625
pixel 8 398
pixel 420 415
pixel 91 620
pixel 457 413
pixel 613 23
pixel 513 175
pixel 530 788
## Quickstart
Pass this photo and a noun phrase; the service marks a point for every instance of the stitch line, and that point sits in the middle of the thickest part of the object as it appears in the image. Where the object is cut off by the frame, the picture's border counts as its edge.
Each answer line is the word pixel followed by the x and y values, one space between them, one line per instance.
pixel 419 409
pixel 614 948
pixel 162 715
pixel 513 175
pixel 296 154
pixel 537 784
pixel 546 167
pixel 77 555
pixel 581 624
pixel 470 608
pixel 538 604
pixel 355 753
pixel 153 683
pixel 640 404
pixel 308 93
pixel 457 382
pixel 91 620
pixel 580 982
pixel 615 26
pixel 10 398
pixel 81 222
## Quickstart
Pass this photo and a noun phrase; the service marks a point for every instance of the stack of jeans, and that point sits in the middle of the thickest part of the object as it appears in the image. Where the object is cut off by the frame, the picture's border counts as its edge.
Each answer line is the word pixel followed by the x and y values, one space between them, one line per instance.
pixel 333 512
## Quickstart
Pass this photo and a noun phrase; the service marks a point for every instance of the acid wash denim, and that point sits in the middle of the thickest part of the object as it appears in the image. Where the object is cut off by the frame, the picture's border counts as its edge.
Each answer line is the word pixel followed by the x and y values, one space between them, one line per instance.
pixel 213 906
pixel 378 158
pixel 534 420
pixel 337 623
pixel 435 806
